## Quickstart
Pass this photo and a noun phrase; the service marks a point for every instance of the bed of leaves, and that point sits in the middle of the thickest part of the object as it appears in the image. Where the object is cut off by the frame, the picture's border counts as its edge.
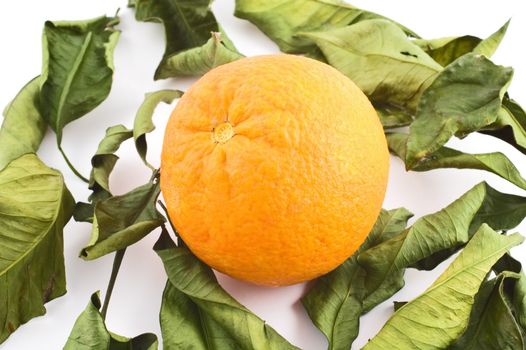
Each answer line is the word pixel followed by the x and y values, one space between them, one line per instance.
pixel 426 91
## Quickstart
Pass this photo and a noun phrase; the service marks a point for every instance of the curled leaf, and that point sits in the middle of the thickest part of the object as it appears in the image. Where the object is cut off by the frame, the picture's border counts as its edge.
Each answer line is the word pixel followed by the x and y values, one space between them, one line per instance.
pixel 23 128
pixel 121 221
pixel 465 97
pixel 436 318
pixel 90 333
pixel 199 60
pixel 204 314
pixel 283 20
pixel 496 163
pixel 35 205
pixel 187 28
pixel 510 125
pixel 447 50
pixel 380 59
pixel 492 324
pixel 143 120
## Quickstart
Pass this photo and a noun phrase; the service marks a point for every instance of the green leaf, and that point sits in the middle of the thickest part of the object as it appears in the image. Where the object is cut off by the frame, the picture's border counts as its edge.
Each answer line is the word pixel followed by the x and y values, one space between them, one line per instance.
pixel 496 163
pixel 465 97
pixel 380 59
pixel 197 313
pixel 143 120
pixel 105 159
pixel 77 68
pixel 102 164
pixel 436 236
pixel 187 26
pixel 510 125
pixel 393 117
pixel 492 324
pixel 23 128
pixel 121 221
pixel 283 20
pixel 199 60
pixel 516 295
pixel 335 303
pixel 447 50
pixel 435 319
pixel 90 333
pixel 35 205
pixel 488 46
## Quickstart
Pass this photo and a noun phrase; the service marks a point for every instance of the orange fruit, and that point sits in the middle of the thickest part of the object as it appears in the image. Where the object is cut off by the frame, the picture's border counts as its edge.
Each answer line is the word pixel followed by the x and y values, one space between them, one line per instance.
pixel 274 168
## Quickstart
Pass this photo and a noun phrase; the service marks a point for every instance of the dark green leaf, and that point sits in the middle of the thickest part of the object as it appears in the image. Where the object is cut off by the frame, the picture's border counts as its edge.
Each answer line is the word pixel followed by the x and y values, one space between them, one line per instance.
pixel 380 59
pixel 447 50
pixel 492 325
pixel 199 60
pixel 464 98
pixel 197 313
pixel 283 20
pixel 77 68
pixel 510 125
pixel 436 318
pixel 90 333
pixel 393 117
pixel 121 221
pixel 23 128
pixel 143 120
pixel 187 26
pixel 35 205
pixel 496 163
pixel 398 304
pixel 335 303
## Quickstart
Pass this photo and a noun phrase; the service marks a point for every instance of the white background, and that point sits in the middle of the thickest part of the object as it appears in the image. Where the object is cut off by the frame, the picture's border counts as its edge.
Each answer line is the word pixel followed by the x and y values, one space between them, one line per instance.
pixel 136 300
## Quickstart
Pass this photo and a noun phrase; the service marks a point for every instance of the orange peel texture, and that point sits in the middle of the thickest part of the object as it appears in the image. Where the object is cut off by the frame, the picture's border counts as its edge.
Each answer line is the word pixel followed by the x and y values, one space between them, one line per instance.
pixel 274 168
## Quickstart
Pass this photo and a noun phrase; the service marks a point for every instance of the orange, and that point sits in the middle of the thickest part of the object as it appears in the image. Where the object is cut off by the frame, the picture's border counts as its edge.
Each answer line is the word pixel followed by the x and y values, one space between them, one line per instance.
pixel 274 168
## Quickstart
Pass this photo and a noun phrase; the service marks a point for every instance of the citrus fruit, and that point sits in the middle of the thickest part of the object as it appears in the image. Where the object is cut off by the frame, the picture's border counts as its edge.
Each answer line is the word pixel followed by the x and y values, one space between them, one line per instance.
pixel 274 168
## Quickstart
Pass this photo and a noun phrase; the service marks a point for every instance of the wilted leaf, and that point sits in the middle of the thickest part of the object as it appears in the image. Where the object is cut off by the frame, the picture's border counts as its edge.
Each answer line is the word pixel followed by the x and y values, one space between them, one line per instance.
pixel 283 20
pixel 492 325
pixel 488 46
pixel 447 50
pixel 465 97
pixel 77 68
pixel 121 221
pixel 187 26
pixel 496 163
pixel 510 125
pixel 197 313
pixel 143 120
pixel 102 164
pixel 434 235
pixel 199 60
pixel 90 333
pixel 335 303
pixel 23 128
pixel 35 205
pixel 380 59
pixel 435 319
pixel 105 159
pixel 393 117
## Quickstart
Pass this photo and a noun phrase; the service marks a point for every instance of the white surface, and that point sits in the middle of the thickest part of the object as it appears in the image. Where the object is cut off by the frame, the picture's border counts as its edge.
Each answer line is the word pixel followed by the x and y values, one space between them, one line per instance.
pixel 136 300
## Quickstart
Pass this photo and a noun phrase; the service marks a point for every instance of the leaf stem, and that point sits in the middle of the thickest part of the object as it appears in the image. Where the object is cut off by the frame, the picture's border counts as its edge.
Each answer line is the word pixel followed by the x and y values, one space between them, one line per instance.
pixel 117 260
pixel 75 171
